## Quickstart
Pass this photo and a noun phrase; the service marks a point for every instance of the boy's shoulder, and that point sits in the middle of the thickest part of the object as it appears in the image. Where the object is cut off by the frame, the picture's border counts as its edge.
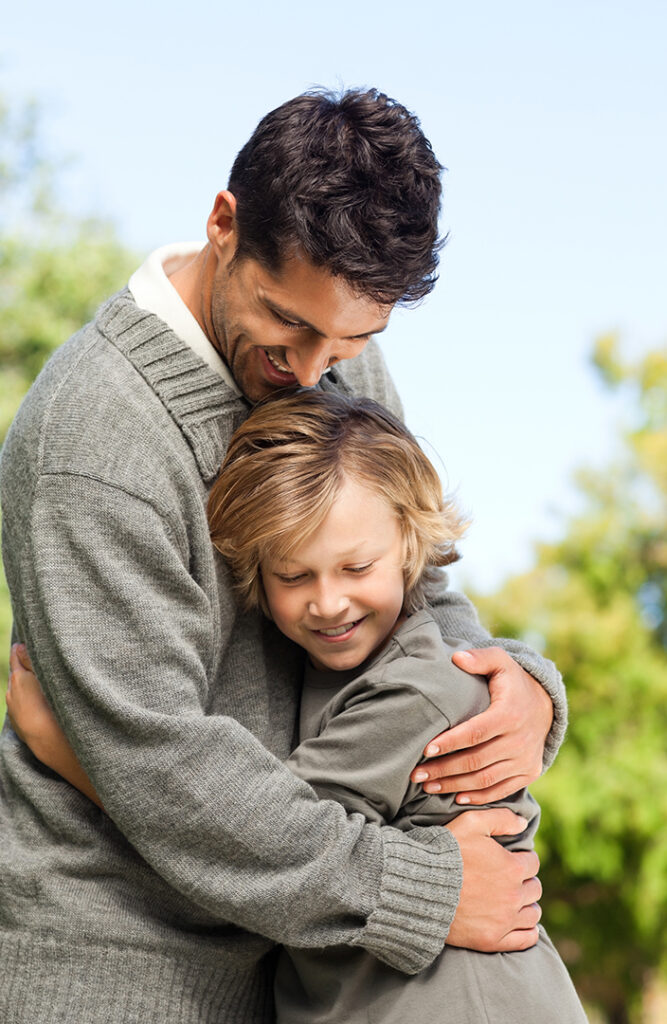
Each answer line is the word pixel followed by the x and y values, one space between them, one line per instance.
pixel 417 663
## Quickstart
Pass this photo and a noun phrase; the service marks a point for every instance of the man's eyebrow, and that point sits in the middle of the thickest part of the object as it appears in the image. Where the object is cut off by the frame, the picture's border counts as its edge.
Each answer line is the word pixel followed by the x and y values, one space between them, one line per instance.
pixel 287 314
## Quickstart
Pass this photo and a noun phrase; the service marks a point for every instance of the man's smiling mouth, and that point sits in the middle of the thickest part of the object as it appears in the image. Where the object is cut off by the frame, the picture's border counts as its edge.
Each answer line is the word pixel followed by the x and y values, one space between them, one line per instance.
pixel 278 365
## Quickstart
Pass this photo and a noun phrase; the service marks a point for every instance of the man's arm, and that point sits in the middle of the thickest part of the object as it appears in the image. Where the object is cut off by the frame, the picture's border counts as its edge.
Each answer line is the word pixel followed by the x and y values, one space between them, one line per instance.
pixel 122 638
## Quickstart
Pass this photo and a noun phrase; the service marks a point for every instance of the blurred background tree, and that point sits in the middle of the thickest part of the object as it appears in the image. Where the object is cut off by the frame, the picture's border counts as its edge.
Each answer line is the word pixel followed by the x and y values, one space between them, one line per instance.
pixel 596 602
pixel 55 269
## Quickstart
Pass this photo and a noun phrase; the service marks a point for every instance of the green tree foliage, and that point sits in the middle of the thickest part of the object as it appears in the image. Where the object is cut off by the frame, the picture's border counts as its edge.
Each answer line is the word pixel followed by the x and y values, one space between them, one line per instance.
pixel 597 602
pixel 55 269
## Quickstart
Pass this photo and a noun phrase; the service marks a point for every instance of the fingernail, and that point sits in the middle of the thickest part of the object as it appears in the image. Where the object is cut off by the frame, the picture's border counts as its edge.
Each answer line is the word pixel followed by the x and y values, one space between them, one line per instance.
pixel 434 787
pixel 464 654
pixel 432 750
pixel 463 799
pixel 420 776
pixel 523 822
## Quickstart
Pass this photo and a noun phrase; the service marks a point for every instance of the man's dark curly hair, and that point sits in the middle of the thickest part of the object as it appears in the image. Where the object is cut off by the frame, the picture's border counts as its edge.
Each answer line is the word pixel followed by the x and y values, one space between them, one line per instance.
pixel 352 183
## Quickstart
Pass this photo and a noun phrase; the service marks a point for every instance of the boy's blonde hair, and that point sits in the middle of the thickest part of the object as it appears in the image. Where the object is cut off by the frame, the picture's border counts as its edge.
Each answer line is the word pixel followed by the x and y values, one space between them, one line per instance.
pixel 288 462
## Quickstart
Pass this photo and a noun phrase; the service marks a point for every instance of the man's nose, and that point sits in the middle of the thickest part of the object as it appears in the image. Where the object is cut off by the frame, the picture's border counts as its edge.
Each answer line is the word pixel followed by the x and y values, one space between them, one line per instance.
pixel 309 359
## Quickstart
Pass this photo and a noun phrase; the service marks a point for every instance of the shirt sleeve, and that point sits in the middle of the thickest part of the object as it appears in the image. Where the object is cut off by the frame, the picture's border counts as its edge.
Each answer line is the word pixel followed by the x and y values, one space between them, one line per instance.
pixel 365 751
pixel 364 754
pixel 121 636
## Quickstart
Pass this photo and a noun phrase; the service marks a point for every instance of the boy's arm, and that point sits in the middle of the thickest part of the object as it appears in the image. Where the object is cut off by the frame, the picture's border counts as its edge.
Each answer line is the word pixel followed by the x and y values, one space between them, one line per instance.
pixel 33 721
pixel 361 759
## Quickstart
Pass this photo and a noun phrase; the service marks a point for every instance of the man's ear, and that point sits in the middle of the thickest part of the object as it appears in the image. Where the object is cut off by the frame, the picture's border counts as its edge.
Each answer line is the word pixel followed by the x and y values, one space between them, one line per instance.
pixel 221 224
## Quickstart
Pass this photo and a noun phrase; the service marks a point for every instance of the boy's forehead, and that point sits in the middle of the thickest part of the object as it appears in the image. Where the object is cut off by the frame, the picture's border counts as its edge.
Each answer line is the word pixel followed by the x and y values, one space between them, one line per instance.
pixel 359 547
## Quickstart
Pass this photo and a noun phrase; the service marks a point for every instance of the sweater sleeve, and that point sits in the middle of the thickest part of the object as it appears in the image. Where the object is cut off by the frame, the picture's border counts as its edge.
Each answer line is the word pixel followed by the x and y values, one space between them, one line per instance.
pixel 457 618
pixel 121 637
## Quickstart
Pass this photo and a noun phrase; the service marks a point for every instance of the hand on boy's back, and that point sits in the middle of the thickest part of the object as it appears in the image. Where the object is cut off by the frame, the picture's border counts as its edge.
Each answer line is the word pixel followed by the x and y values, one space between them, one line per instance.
pixel 499 751
pixel 498 910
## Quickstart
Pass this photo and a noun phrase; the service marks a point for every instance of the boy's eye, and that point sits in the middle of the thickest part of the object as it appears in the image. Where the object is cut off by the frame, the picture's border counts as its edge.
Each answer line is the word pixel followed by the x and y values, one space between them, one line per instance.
pixel 358 569
pixel 290 579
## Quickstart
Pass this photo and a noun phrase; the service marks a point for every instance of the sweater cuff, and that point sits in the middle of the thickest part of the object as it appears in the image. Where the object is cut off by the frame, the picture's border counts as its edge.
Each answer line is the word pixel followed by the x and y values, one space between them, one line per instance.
pixel 419 894
pixel 546 673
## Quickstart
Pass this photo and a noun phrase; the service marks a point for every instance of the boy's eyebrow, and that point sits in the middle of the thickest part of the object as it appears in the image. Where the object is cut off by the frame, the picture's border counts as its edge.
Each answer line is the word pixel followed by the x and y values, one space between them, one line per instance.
pixel 295 318
pixel 363 551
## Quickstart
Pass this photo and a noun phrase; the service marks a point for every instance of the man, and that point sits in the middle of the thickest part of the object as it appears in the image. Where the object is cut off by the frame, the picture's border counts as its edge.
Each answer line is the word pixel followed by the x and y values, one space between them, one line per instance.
pixel 179 707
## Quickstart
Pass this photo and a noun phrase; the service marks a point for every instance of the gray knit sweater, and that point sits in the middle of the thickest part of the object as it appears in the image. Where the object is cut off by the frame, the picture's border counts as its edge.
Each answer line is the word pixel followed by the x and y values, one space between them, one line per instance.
pixel 180 709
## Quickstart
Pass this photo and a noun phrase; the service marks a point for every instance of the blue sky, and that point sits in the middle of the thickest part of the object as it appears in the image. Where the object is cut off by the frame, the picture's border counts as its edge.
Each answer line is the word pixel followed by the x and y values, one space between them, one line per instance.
pixel 552 121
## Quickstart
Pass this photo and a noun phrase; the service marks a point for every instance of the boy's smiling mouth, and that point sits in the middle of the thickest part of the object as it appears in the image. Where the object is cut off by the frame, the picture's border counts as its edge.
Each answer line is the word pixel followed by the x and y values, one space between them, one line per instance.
pixel 337 632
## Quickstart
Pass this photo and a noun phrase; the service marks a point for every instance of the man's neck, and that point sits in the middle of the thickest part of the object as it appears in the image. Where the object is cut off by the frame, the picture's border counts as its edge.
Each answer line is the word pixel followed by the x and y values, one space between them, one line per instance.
pixel 187 280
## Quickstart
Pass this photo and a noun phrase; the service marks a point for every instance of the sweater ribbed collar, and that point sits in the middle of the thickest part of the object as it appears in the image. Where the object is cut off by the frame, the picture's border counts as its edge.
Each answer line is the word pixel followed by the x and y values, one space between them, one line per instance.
pixel 203 405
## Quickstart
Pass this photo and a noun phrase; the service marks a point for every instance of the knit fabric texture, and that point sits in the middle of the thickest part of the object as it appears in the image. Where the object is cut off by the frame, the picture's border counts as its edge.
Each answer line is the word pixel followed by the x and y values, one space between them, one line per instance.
pixel 181 709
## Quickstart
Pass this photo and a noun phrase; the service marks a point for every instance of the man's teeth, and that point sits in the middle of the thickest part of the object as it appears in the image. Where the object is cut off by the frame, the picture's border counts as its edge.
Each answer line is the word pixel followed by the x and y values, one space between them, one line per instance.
pixel 278 366
pixel 337 630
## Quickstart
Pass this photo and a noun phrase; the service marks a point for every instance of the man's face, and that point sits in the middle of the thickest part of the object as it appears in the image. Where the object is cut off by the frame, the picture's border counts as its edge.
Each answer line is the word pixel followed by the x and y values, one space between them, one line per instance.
pixel 277 330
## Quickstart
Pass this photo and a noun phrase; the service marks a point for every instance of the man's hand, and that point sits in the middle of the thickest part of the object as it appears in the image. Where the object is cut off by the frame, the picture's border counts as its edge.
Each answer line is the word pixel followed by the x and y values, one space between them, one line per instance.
pixel 29 713
pixel 35 724
pixel 500 751
pixel 498 910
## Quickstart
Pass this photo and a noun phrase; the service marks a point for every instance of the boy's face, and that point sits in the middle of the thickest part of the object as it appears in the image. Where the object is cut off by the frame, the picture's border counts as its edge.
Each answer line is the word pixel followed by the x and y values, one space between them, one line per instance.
pixel 340 594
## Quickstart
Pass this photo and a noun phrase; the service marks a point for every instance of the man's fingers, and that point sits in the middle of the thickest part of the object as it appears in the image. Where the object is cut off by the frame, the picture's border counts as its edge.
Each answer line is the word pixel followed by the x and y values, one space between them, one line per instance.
pixel 480 768
pixel 527 864
pixel 523 938
pixel 532 894
pixel 483 661
pixel 475 732
pixel 19 659
pixel 490 795
pixel 494 821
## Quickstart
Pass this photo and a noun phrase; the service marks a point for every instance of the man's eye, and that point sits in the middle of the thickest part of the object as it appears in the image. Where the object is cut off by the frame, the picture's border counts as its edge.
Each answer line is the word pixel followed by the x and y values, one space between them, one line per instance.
pixel 287 323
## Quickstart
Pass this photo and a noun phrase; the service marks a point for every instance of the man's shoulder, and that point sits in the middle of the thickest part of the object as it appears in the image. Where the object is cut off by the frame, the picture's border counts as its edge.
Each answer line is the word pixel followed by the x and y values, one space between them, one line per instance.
pixel 124 392
pixel 87 389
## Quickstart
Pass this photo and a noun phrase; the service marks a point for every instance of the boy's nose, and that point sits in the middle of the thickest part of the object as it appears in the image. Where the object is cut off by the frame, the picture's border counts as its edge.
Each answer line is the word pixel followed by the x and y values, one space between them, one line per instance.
pixel 328 604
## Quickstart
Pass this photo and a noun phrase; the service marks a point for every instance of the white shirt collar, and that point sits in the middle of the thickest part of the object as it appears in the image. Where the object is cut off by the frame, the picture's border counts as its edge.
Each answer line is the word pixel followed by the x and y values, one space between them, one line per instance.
pixel 152 290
